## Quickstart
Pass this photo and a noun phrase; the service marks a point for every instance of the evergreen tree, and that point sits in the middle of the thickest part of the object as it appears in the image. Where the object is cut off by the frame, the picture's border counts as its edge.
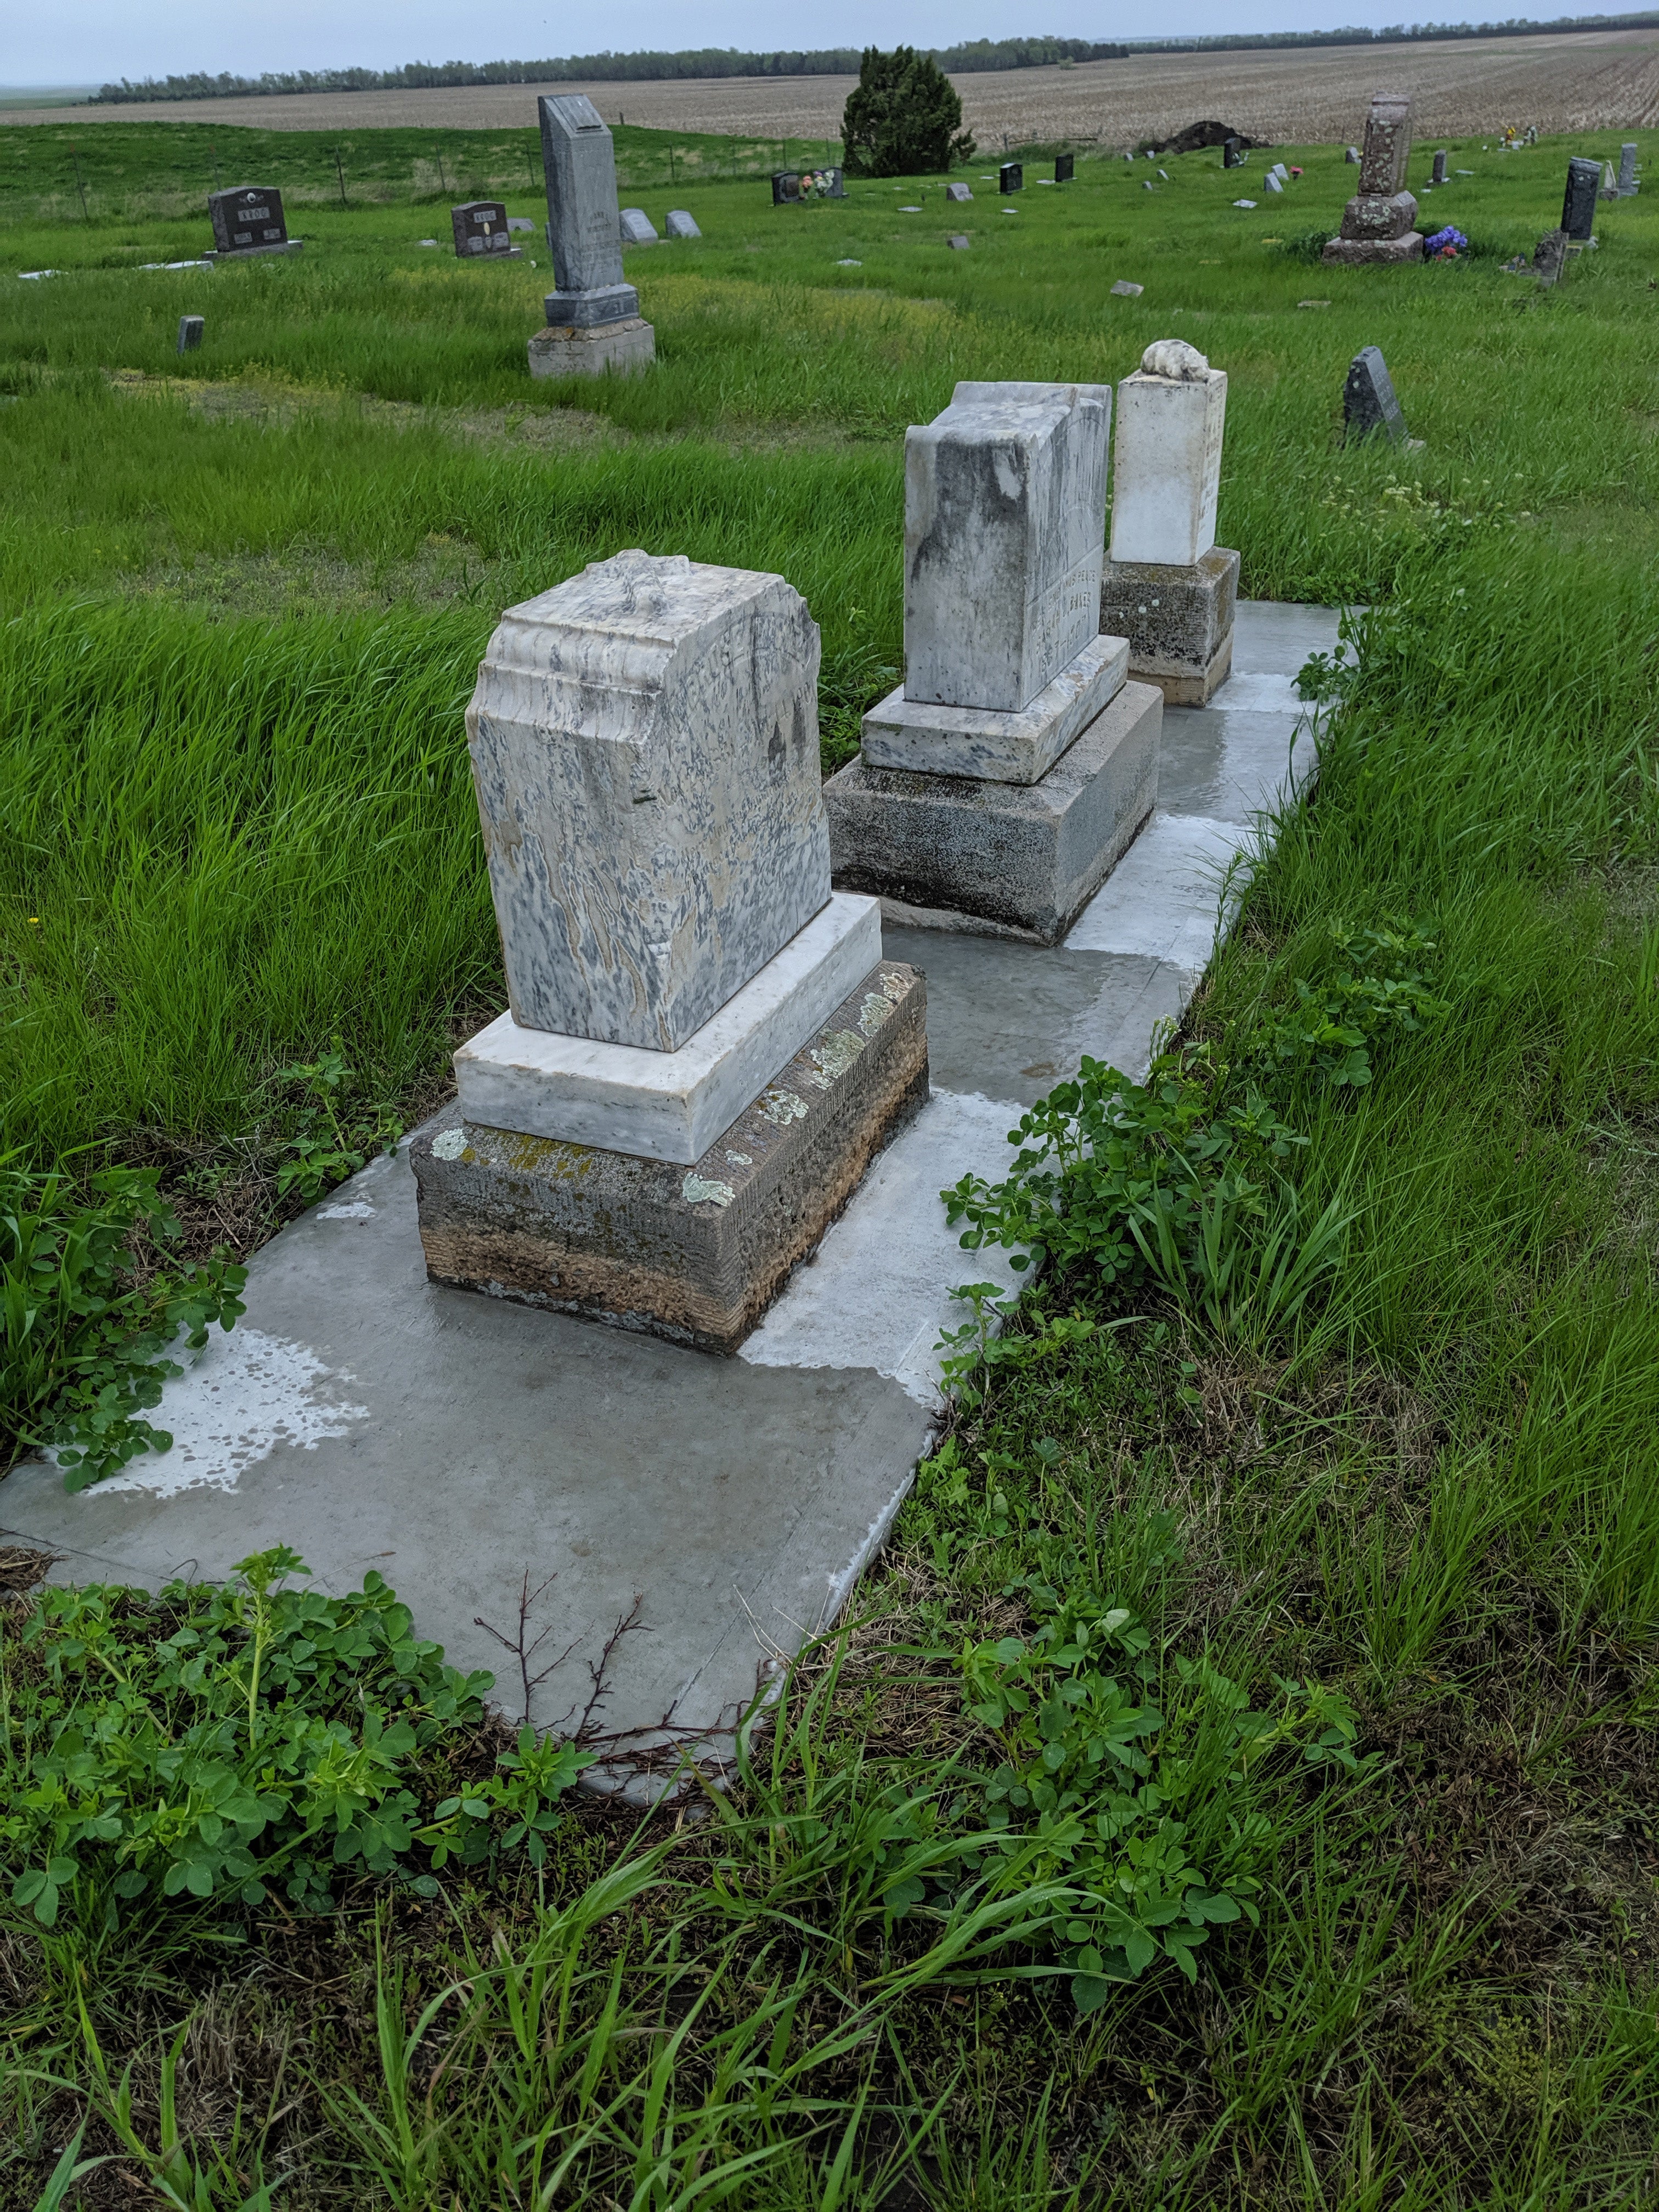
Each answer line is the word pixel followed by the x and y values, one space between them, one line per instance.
pixel 902 118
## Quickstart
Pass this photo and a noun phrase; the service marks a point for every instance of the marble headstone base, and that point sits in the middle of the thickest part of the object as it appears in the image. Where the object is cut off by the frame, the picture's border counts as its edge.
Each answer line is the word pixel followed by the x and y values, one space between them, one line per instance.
pixel 1019 860
pixel 693 1254
pixel 1354 251
pixel 567 350
pixel 1179 621
pixel 1015 745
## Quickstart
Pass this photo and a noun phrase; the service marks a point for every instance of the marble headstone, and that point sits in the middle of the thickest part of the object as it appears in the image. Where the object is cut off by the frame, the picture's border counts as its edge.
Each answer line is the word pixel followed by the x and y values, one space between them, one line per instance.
pixel 957 243
pixel 1368 399
pixel 582 229
pixel 479 226
pixel 1578 206
pixel 1388 144
pixel 1609 182
pixel 958 192
pixel 680 225
pixel 247 218
pixel 637 228
pixel 190 328
pixel 644 750
pixel 1005 496
pixel 1166 457
pixel 1272 182
pixel 1627 169
pixel 1351 157
pixel 1549 258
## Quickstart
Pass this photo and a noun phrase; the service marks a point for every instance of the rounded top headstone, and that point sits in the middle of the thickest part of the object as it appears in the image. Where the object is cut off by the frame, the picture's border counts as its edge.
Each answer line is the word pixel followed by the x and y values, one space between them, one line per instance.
pixel 1174 357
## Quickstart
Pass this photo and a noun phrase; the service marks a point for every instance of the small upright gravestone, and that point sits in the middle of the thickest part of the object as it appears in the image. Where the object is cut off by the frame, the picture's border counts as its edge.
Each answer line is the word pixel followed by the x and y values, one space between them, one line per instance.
pixel 645 752
pixel 248 220
pixel 1271 181
pixel 1233 153
pixel 1609 182
pixel 958 244
pixel 1167 586
pixel 190 328
pixel 1549 258
pixel 958 192
pixel 1006 773
pixel 1437 174
pixel 479 228
pixel 1010 177
pixel 1627 184
pixel 637 228
pixel 1578 203
pixel 1369 404
pixel 594 320
pixel 1351 157
pixel 680 225
pixel 1379 222
pixel 1064 168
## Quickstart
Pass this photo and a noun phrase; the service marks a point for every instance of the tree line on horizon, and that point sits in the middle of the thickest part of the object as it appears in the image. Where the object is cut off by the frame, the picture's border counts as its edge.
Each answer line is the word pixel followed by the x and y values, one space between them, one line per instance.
pixel 963 59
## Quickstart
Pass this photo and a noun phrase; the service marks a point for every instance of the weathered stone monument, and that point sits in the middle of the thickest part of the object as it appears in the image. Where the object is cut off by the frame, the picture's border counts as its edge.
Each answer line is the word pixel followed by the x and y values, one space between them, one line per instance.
pixel 680 224
pixel 1000 783
pixel 1369 404
pixel 637 228
pixel 190 328
pixel 1167 586
pixel 1378 222
pixel 479 228
pixel 1628 185
pixel 248 220
pixel 1549 258
pixel 594 320
pixel 705 1046
pixel 1578 201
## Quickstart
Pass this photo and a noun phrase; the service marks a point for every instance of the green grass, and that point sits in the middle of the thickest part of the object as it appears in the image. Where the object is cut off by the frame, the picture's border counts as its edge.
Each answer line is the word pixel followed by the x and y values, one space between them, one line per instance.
pixel 243 598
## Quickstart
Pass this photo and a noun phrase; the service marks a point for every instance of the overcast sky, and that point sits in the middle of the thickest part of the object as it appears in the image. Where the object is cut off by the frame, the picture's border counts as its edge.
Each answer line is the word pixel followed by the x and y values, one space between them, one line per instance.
pixel 90 42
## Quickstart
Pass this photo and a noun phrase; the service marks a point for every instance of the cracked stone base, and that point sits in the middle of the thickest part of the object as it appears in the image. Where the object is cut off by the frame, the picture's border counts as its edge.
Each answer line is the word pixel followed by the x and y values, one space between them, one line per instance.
pixel 1028 857
pixel 1178 620
pixel 1354 251
pixel 1016 746
pixel 564 349
pixel 696 1255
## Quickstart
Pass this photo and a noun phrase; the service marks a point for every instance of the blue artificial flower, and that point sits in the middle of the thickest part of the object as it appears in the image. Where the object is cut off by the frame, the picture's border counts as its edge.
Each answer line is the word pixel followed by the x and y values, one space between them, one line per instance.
pixel 1447 243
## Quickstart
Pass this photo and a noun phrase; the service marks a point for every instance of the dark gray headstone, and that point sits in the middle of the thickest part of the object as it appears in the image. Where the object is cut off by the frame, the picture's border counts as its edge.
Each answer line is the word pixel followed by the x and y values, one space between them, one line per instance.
pixel 786 186
pixel 1368 400
pixel 190 328
pixel 1010 177
pixel 479 228
pixel 1064 168
pixel 1233 153
pixel 247 218
pixel 1578 207
pixel 1437 174
pixel 583 232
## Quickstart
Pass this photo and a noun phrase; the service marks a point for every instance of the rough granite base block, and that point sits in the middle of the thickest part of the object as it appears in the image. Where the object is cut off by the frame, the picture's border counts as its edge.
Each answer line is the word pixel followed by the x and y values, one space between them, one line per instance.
pixel 1026 856
pixel 565 350
pixel 1017 746
pixel 1179 621
pixel 1352 251
pixel 696 1255
pixel 671 1105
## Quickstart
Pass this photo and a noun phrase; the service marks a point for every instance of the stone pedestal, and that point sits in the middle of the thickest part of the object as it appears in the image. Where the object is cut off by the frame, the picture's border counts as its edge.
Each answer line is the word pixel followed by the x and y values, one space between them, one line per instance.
pixel 1020 858
pixel 1178 620
pixel 705 1047
pixel 1377 222
pixel 621 348
pixel 694 1254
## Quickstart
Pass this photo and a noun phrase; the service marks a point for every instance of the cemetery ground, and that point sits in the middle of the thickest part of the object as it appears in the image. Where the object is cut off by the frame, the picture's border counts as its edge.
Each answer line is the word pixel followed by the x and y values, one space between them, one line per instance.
pixel 1413 1518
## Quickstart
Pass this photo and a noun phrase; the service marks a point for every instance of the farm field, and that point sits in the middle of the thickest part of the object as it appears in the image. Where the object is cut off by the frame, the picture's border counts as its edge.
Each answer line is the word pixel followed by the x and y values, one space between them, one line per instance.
pixel 1579 80
pixel 242 597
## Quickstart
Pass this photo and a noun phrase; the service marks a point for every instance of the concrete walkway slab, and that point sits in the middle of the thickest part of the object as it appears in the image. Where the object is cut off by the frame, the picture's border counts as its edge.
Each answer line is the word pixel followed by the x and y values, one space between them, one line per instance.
pixel 461 1444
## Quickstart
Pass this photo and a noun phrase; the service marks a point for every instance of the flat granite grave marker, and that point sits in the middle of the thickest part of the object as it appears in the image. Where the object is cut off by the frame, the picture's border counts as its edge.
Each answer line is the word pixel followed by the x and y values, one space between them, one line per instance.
pixel 594 320
pixel 687 991
pixel 680 224
pixel 479 228
pixel 190 328
pixel 247 220
pixel 1378 224
pixel 958 244
pixel 1000 781
pixel 1167 586
pixel 1578 203
pixel 1369 404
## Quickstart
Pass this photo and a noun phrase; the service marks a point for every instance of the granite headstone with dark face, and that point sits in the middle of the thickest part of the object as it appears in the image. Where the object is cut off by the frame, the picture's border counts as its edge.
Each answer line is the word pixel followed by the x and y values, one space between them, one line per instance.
pixel 1578 206
pixel 583 231
pixel 248 219
pixel 1369 404
pixel 1064 168
pixel 480 227
pixel 1010 177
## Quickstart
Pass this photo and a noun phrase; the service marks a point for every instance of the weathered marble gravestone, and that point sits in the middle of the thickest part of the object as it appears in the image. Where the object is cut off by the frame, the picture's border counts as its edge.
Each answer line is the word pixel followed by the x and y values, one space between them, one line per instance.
pixel 705 1047
pixel 1438 173
pixel 680 224
pixel 958 244
pixel 958 192
pixel 517 222
pixel 1627 184
pixel 637 228
pixel 1064 168
pixel 1004 777
pixel 594 320
pixel 1369 404
pixel 1281 173
pixel 1271 182
pixel 1010 177
pixel 479 229
pixel 1549 258
pixel 1351 157
pixel 248 220
pixel 1168 587
pixel 190 328
pixel 1578 203
pixel 1609 182
pixel 1378 222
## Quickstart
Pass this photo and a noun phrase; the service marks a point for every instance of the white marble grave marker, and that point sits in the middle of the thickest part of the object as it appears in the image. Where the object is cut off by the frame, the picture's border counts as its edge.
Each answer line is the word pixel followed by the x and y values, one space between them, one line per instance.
pixel 1166 463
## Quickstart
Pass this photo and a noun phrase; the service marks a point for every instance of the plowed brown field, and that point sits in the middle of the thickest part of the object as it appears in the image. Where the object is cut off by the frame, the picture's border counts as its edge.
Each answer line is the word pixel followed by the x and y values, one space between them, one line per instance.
pixel 1575 81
